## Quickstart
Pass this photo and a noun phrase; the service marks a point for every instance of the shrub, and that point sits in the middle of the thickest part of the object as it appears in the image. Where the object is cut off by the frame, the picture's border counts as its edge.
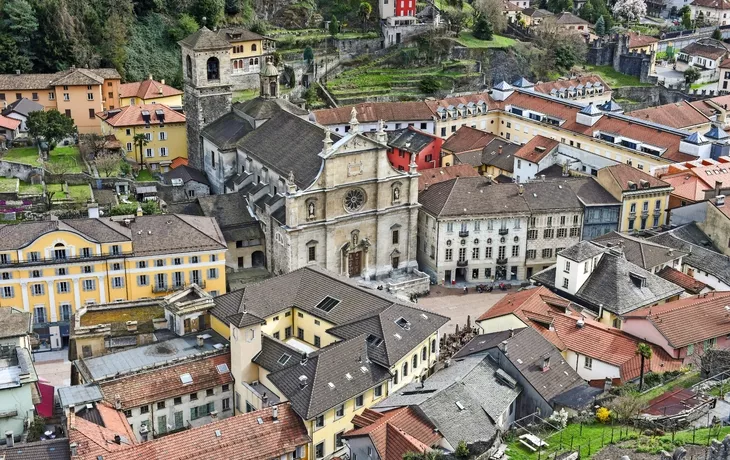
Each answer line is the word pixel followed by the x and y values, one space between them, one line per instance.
pixel 603 415
pixel 483 29
pixel 124 209
pixel 462 451
pixel 429 84
pixel 652 379
pixel 150 207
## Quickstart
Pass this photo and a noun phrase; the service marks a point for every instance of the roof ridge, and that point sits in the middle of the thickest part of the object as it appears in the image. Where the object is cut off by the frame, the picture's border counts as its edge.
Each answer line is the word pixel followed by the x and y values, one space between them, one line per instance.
pixel 218 232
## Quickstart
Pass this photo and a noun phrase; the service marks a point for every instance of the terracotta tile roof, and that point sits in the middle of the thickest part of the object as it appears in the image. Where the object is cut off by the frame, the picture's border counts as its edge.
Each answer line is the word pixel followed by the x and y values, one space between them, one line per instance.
pixel 609 345
pixel 689 284
pixel 622 174
pixel 140 389
pixel 532 300
pixel 639 40
pixel 65 77
pixel 147 89
pixel 714 4
pixel 690 320
pixel 395 432
pixel 687 186
pixel 179 161
pixel 566 18
pixel 466 99
pixel 678 115
pixel 467 139
pixel 132 115
pixel 241 437
pixel 559 85
pixel 690 179
pixel 9 123
pixel 537 149
pixel 435 175
pixel 369 112
pixel 93 440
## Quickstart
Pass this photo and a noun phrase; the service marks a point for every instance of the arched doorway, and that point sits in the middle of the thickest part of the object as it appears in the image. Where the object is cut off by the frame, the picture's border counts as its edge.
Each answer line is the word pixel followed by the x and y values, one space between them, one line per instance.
pixel 258 259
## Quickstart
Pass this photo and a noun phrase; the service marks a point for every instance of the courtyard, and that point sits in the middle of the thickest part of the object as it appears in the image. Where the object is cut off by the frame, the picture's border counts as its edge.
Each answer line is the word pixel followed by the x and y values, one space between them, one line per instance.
pixel 452 302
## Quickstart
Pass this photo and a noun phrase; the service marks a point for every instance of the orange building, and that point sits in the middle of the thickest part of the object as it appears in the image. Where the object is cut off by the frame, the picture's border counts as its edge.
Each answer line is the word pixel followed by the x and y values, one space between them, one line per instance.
pixel 78 93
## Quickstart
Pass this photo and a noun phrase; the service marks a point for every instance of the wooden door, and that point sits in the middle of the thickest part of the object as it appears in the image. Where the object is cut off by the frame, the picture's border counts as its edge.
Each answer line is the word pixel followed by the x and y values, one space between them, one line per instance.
pixel 354 263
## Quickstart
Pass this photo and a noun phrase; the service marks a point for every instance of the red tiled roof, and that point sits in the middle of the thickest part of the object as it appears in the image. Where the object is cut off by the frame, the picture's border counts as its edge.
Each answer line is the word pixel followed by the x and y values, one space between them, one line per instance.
pixel 639 40
pixel 690 179
pixel 678 115
pixel 147 89
pixel 558 85
pixel 691 320
pixel 609 345
pixel 9 123
pixel 240 437
pixel 687 186
pixel 713 4
pixel 623 174
pixel 435 175
pixel 532 300
pixel 467 139
pixel 139 389
pixel 369 112
pixel 132 115
pixel 537 149
pixel 94 440
pixel 395 432
pixel 683 280
pixel 179 161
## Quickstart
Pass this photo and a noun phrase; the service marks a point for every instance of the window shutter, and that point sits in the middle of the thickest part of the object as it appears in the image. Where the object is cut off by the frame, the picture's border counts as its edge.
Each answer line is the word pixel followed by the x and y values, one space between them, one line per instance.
pixel 12 291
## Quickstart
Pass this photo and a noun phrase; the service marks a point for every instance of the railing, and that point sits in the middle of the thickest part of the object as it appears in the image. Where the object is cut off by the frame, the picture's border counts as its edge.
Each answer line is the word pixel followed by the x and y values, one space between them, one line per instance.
pixel 502 261
pixel 503 231
pixel 464 233
pixel 158 289
pixel 462 263
pixel 65 260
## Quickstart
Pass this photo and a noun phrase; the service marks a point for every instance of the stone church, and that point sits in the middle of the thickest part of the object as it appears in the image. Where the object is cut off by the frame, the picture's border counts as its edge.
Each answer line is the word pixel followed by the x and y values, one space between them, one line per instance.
pixel 320 198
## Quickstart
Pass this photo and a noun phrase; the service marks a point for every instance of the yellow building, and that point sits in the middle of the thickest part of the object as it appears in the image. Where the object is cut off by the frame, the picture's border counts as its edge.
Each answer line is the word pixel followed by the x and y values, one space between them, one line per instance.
pixel 644 198
pixel 149 92
pixel 329 347
pixel 52 268
pixel 248 55
pixel 163 128
pixel 77 93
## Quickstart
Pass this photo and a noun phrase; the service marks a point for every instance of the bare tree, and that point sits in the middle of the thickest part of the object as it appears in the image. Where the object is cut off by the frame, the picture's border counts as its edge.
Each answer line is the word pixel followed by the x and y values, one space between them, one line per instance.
pixel 58 169
pixel 92 145
pixel 626 406
pixel 492 10
pixel 108 162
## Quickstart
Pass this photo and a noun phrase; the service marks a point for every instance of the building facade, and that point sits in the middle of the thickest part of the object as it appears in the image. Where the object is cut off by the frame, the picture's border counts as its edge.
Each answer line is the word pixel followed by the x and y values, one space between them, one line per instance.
pixel 149 92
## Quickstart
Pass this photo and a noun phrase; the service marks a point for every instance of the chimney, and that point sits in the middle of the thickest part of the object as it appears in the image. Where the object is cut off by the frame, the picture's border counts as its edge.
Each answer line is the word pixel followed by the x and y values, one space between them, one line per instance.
pixel 139 211
pixel 117 439
pixel 303 359
pixel 503 347
pixel 149 76
pixel 511 333
pixel 302 381
pixel 580 323
pixel 489 178
pixel 542 177
pixel 520 189
pixel 9 439
pixel 499 150
pixel 93 211
pixel 162 82
pixel 718 186
pixel 275 413
pixel 546 363
pixel 117 402
pixel 447 363
pixel 74 449
pixel 131 326
pixel 720 200
pixel 200 341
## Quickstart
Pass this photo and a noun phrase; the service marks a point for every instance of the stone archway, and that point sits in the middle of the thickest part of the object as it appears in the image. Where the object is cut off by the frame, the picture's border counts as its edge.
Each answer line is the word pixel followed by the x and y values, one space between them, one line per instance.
pixel 258 259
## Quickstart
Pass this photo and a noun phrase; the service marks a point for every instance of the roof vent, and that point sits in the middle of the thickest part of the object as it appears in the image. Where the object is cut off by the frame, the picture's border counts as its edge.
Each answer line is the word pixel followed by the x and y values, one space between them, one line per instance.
pixel 302 381
pixel 580 323
pixel 720 200
pixel 348 376
pixel 632 185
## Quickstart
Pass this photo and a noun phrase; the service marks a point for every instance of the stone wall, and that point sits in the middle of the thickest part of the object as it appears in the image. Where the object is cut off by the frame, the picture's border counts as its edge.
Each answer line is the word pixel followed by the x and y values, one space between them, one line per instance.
pixel 20 171
pixel 644 96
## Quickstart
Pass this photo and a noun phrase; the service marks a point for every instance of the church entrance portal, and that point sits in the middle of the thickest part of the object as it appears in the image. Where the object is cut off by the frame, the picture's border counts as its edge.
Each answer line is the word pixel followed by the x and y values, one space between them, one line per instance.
pixel 354 263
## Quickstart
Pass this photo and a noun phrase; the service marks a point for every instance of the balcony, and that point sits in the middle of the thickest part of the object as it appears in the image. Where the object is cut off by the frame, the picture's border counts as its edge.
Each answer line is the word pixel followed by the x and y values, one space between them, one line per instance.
pixel 462 263
pixel 502 261
pixel 645 213
pixel 157 289
pixel 464 233
pixel 503 231
pixel 632 215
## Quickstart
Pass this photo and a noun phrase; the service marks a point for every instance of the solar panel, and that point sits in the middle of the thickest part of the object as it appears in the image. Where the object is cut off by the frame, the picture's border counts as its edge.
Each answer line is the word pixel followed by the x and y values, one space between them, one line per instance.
pixel 327 304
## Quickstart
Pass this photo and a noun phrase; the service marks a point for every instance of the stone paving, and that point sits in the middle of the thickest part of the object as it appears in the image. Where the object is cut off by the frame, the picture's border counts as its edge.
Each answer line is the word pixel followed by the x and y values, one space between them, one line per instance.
pixel 452 302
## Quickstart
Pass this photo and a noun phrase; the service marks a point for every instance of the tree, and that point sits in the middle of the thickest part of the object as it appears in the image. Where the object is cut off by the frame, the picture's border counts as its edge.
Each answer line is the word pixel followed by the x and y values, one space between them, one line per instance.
pixel 50 126
pixel 629 10
pixel 233 7
pixel 601 27
pixel 457 20
pixel 140 140
pixel 687 20
pixel 483 29
pixel 366 9
pixel 492 11
pixel 691 75
pixel 12 59
pixel 645 352
pixel 673 12
pixel 717 34
pixel 184 26
pixel 334 26
pixel 208 12
pixel 21 23
pixel 429 84
pixel 108 162
pixel 626 406
pixel 308 54
pixel 91 145
pixel 587 12
pixel 558 6
pixel 462 450
pixel 700 21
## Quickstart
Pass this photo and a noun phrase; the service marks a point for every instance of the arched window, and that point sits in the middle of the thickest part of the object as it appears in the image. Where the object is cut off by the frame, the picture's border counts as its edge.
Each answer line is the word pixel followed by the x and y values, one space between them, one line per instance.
pixel 59 251
pixel 250 62
pixel 405 369
pixel 213 67
pixel 395 376
pixel 433 345
pixel 424 351
pixel 415 361
pixel 235 64
pixel 256 61
pixel 272 89
pixel 189 67
pixel 253 47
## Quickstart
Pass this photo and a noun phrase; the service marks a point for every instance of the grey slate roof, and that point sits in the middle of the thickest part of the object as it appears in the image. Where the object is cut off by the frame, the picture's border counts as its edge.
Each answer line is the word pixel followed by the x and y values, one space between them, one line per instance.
pixel 78 395
pixel 260 108
pixel 550 196
pixel 187 174
pixel 578 397
pixel 228 209
pixel 272 145
pixel 14 323
pixel 465 196
pixel 23 107
pixel 52 449
pixel 504 160
pixel 169 233
pixel 644 253
pixel 226 131
pixel 237 34
pixel 409 140
pixel 581 251
pixel 99 230
pixel 484 342
pixel 272 351
pixel 686 238
pixel 331 364
pixel 204 39
pixel 526 351
pixel 591 193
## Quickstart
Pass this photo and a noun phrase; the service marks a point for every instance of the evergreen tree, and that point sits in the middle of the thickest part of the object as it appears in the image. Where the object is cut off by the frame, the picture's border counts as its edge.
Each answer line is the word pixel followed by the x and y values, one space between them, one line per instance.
pixel 211 10
pixel 587 12
pixel 334 26
pixel 687 20
pixel 601 27
pixel 717 34
pixel 483 29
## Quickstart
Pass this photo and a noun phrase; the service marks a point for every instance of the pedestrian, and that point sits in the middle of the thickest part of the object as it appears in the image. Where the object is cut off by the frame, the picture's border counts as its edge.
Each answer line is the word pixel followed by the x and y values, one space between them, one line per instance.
pixel 466 290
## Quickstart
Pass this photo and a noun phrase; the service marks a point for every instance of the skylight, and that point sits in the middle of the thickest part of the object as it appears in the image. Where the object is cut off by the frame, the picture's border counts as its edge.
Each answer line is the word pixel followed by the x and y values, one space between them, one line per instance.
pixel 348 376
pixel 374 340
pixel 460 405
pixel 403 323
pixel 331 385
pixel 284 359
pixel 222 368
pixel 327 304
pixel 186 378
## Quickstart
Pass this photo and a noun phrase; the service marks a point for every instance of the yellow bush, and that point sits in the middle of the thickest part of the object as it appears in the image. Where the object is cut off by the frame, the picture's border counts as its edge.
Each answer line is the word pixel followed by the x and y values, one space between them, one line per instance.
pixel 603 415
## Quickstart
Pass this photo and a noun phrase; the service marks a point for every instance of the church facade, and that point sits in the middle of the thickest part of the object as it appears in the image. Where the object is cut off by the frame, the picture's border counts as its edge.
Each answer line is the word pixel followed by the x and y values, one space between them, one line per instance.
pixel 320 198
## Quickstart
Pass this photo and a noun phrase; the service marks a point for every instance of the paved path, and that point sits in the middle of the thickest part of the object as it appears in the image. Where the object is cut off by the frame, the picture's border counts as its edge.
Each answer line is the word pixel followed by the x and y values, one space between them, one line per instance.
pixel 457 305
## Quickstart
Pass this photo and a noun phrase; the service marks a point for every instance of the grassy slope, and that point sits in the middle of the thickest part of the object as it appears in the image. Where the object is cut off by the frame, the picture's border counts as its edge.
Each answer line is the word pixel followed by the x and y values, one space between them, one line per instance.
pixel 29 155
pixel 613 78
pixel 467 39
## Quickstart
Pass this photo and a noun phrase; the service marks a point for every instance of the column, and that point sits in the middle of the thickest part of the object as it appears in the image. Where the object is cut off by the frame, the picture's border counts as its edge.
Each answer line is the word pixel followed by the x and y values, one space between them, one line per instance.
pixel 52 300
pixel 102 292
pixel 24 293
pixel 77 295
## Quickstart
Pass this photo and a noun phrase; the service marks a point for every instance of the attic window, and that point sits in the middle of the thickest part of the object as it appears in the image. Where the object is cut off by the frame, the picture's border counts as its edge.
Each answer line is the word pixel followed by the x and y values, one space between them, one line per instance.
pixel 186 379
pixel 403 323
pixel 638 280
pixel 284 359
pixel 222 368
pixel 327 304
pixel 373 340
